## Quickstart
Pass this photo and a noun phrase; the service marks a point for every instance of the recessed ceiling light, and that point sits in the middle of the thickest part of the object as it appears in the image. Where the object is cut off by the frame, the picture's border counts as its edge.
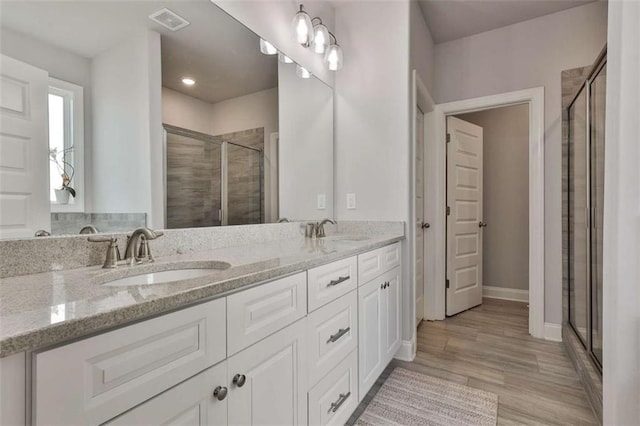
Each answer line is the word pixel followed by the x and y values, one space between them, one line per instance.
pixel 188 81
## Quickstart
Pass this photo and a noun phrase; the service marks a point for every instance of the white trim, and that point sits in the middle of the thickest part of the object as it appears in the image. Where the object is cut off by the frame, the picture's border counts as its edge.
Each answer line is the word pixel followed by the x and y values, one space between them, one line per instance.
pixel 420 98
pixel 502 293
pixel 436 159
pixel 552 332
pixel 407 351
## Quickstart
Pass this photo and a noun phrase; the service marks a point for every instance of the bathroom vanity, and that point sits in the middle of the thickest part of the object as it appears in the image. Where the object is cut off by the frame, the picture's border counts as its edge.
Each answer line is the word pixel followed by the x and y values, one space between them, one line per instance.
pixel 300 347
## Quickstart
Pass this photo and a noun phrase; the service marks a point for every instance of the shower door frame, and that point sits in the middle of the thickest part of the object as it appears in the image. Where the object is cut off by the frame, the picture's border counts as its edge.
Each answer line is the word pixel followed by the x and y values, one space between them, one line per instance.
pixel 599 64
pixel 224 194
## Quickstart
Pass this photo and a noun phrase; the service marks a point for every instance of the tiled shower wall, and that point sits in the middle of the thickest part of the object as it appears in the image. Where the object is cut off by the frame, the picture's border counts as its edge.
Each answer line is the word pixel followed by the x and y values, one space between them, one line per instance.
pixel 194 173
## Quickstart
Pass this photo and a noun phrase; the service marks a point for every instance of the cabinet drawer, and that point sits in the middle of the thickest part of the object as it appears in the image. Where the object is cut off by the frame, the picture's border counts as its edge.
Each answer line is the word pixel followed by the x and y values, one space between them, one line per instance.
pixel 96 379
pixel 333 333
pixel 328 282
pixel 190 403
pixel 335 397
pixel 376 262
pixel 256 313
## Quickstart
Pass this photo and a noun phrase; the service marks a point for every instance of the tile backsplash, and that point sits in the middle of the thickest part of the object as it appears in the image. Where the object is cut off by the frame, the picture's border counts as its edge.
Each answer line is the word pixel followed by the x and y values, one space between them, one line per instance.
pixel 72 223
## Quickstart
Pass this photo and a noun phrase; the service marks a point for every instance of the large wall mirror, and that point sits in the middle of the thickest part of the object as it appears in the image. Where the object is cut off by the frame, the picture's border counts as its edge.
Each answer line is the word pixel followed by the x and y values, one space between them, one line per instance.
pixel 116 115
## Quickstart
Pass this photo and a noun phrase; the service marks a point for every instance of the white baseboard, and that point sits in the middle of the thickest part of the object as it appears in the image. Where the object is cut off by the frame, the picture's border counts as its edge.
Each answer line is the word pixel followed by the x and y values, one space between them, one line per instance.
pixel 406 352
pixel 505 293
pixel 552 332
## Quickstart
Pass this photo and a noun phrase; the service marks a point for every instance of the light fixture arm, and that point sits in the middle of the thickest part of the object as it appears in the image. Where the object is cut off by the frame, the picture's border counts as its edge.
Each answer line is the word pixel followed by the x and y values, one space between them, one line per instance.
pixel 335 40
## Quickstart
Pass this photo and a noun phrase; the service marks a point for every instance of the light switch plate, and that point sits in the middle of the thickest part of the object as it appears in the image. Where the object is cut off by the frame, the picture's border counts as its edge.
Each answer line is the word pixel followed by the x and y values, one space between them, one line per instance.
pixel 351 200
pixel 322 201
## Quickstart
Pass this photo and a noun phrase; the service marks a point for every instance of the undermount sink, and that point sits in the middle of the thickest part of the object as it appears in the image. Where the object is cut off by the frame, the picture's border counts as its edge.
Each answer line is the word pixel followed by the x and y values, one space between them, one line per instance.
pixel 345 238
pixel 162 273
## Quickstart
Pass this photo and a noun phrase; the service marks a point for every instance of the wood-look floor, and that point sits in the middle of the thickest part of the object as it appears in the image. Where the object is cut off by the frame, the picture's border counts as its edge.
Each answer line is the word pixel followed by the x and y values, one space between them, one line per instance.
pixel 489 348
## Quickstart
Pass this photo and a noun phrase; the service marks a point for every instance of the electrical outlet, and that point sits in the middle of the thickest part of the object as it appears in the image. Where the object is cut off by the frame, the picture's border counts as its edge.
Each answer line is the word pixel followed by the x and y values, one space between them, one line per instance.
pixel 351 200
pixel 322 201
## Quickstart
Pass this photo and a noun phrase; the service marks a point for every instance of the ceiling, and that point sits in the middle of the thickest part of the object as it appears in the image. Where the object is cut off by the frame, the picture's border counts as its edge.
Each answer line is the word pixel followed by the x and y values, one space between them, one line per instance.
pixel 453 19
pixel 221 54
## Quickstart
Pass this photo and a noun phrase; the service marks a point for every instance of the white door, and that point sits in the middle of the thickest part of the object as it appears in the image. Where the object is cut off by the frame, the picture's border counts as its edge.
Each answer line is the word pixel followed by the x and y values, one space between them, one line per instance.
pixel 200 401
pixel 464 218
pixel 391 314
pixel 268 381
pixel 24 149
pixel 370 338
pixel 419 189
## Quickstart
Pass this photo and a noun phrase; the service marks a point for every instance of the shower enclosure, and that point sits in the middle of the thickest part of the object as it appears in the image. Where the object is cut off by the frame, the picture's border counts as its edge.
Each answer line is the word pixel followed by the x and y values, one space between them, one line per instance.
pixel 586 139
pixel 212 180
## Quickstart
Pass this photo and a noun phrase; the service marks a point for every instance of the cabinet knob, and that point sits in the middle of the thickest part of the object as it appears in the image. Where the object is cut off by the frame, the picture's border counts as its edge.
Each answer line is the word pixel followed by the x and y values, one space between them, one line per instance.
pixel 220 393
pixel 426 225
pixel 239 380
pixel 482 224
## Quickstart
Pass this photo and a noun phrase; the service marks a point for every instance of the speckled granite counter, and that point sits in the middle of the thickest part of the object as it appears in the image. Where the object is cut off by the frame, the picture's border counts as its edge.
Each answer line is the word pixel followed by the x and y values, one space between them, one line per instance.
pixel 44 309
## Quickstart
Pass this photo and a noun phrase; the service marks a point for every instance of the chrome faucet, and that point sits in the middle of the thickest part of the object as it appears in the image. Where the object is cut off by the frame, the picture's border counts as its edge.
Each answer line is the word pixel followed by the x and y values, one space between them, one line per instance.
pixel 320 227
pixel 138 245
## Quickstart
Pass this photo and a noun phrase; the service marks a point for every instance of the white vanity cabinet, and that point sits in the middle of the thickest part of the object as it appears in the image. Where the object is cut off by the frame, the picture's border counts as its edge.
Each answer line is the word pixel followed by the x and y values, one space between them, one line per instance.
pixel 303 349
pixel 96 379
pixel 267 381
pixel 195 402
pixel 379 307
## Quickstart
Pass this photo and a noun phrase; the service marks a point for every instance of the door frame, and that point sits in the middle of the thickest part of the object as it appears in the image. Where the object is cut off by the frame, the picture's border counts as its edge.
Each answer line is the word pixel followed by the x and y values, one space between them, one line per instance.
pixel 435 189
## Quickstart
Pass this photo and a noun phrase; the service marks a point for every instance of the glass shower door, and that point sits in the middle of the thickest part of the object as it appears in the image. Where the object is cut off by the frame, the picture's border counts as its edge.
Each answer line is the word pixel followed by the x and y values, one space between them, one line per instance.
pixel 244 193
pixel 578 217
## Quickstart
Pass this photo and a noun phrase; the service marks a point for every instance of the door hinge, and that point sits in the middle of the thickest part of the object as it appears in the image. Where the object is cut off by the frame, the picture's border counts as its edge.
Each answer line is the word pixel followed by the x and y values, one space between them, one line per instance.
pixel 448 210
pixel 448 137
pixel 446 283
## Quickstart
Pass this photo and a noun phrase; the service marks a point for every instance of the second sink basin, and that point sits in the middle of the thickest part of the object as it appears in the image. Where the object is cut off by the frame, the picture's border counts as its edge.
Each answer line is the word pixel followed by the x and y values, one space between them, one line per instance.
pixel 161 273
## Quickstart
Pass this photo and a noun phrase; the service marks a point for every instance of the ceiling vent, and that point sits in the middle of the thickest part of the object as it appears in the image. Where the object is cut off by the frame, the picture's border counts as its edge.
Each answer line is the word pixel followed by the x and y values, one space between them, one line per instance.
pixel 169 19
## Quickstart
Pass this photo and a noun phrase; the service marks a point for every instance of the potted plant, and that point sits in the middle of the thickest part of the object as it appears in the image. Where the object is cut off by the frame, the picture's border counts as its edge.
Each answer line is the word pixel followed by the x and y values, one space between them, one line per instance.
pixel 58 158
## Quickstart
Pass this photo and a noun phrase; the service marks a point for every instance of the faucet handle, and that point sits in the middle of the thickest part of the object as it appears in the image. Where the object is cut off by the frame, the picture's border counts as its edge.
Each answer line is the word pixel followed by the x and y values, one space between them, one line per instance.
pixel 113 251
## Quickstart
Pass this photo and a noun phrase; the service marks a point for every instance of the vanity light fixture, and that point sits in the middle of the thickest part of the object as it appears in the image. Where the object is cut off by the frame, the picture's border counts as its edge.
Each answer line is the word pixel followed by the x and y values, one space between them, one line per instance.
pixel 302 28
pixel 284 58
pixel 267 48
pixel 320 37
pixel 188 81
pixel 333 56
pixel 302 72
pixel 313 33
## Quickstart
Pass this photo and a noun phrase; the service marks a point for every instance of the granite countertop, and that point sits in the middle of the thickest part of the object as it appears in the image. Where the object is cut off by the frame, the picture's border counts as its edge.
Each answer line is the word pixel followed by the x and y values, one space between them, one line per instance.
pixel 45 309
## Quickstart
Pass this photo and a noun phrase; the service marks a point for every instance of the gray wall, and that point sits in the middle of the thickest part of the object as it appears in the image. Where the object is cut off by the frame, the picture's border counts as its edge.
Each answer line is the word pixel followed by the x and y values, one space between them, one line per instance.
pixel 520 56
pixel 505 153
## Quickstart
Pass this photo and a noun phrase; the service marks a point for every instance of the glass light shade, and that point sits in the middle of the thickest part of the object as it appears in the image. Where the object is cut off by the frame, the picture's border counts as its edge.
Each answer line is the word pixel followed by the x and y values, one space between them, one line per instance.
pixel 284 58
pixel 302 72
pixel 267 48
pixel 333 57
pixel 302 28
pixel 320 38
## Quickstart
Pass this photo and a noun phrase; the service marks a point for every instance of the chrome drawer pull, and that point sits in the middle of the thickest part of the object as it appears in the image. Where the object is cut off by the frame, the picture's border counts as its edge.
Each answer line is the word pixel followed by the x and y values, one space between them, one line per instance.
pixel 341 399
pixel 339 334
pixel 338 281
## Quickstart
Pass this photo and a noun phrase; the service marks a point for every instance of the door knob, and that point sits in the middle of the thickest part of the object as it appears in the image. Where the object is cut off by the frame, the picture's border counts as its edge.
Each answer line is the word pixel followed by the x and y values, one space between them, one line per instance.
pixel 426 225
pixel 239 380
pixel 220 393
pixel 482 224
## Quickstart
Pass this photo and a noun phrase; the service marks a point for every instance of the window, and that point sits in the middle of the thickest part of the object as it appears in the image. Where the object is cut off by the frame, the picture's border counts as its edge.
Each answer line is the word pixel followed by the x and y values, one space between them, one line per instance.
pixel 66 145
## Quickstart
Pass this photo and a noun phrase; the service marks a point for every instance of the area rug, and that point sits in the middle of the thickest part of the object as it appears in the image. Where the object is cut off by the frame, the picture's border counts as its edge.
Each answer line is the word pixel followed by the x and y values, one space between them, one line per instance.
pixel 408 398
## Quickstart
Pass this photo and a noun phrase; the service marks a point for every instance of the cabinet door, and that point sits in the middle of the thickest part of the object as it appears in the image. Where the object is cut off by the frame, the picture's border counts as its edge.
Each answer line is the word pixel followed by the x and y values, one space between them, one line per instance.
pixel 115 371
pixel 272 385
pixel 370 336
pixel 391 299
pixel 190 403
